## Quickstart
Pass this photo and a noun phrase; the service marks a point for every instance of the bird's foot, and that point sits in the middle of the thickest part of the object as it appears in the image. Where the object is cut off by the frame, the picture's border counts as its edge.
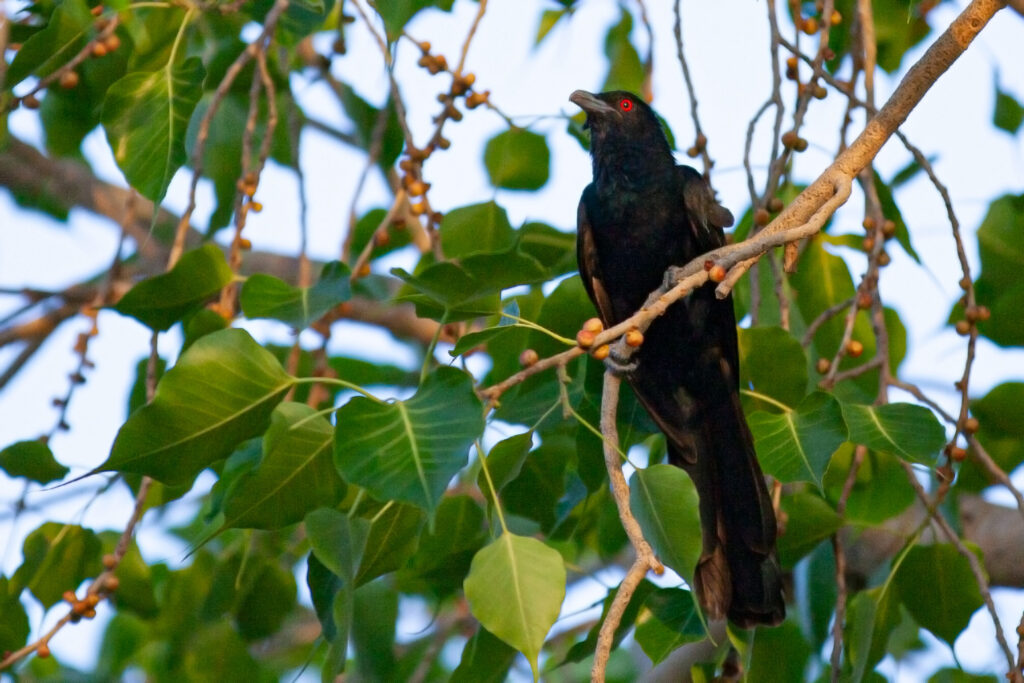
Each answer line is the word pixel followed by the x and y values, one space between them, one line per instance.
pixel 620 362
pixel 672 276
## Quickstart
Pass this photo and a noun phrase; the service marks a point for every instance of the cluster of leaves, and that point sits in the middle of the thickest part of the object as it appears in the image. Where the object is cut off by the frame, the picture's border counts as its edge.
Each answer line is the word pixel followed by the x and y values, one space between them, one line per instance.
pixel 378 502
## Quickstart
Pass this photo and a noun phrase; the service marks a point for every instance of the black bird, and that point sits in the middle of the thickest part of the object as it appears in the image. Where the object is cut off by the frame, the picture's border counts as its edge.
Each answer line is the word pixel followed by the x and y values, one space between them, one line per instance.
pixel 640 215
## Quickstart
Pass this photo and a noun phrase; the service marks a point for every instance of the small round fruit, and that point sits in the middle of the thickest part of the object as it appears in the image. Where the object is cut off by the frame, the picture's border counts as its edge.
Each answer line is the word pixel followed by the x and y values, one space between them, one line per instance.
pixel 963 328
pixel 717 273
pixel 810 26
pixel 789 138
pixel 762 217
pixel 601 352
pixel 593 325
pixel 971 425
pixel 884 259
pixel 823 366
pixel 889 228
pixel 99 50
pixel 43 650
pixel 69 80
pixel 957 454
pixel 854 348
pixel 528 358
pixel 775 205
pixel 109 561
pixel 869 224
pixel 800 145
pixel 634 338
pixel 585 338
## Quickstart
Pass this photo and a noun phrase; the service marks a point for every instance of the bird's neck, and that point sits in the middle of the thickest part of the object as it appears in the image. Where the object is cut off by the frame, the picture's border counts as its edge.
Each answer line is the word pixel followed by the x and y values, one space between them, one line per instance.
pixel 630 164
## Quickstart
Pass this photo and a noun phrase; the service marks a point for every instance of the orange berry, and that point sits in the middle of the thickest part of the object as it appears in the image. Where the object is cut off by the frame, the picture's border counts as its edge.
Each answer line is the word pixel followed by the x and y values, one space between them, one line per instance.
pixel 585 338
pixel 717 273
pixel 99 50
pixel 43 650
pixel 971 425
pixel 601 352
pixel 823 365
pixel 69 80
pixel 854 348
pixel 634 338
pixel 593 325
pixel 963 328
pixel 528 357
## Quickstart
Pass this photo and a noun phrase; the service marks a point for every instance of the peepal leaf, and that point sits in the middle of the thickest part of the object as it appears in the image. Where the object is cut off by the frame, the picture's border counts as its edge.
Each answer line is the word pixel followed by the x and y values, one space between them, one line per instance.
pixel 52 47
pixel 160 301
pixel 517 159
pixel 221 392
pixel 797 445
pixel 56 556
pixel 936 584
pixel 409 450
pixel 295 476
pixel 265 296
pixel 146 117
pixel 515 589
pixel 903 429
pixel 33 460
pixel 664 501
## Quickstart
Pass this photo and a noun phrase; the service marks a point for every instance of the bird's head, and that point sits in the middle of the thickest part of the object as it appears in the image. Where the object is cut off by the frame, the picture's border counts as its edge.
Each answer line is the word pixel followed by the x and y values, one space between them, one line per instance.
pixel 622 125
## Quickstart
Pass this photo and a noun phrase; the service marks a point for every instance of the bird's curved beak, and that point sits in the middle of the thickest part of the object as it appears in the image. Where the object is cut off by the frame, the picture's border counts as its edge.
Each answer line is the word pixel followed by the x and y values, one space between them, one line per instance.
pixel 589 103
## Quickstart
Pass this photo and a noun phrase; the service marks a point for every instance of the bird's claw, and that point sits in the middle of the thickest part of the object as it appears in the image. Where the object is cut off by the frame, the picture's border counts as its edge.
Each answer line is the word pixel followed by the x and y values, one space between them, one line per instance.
pixel 672 276
pixel 619 363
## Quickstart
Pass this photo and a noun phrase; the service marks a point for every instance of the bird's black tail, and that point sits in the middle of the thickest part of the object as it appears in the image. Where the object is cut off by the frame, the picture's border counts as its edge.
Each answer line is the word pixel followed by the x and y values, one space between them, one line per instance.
pixel 738 573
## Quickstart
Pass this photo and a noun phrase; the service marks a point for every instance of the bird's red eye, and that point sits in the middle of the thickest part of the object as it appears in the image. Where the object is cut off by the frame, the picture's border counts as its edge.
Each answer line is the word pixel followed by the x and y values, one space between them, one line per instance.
pixel 626 105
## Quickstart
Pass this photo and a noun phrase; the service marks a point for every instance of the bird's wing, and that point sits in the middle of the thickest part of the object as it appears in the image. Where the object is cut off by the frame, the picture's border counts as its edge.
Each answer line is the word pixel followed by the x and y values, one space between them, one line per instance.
pixel 707 216
pixel 590 267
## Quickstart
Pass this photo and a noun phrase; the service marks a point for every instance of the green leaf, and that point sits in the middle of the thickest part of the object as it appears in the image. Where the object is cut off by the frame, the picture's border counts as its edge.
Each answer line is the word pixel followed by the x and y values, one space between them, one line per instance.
pixel 548 19
pixel 552 248
pixel 265 296
pixel 670 619
pixel 665 503
pixel 936 584
pixel 397 13
pixel 374 617
pixel 951 675
pixel 871 617
pixel 221 392
pixel 68 31
pixel 1001 433
pixel 33 460
pixel 295 476
pixel 162 300
pixel 909 431
pixel 779 655
pixel 625 71
pixel 394 534
pixel 810 521
pixel 409 450
pixel 797 445
pixel 999 286
pixel 146 116
pixel 266 602
pixel 442 559
pixel 515 589
pixel 444 291
pixel 14 627
pixel 518 160
pixel 57 557
pixel 1008 114
pixel 504 462
pixel 337 540
pixel 485 659
pixel 880 490
pixel 892 212
pixel 474 229
pixel 774 363
pixel 68 115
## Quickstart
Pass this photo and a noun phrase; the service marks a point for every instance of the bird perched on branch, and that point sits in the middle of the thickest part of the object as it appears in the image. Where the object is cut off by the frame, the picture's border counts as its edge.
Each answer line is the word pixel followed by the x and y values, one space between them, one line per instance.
pixel 642 214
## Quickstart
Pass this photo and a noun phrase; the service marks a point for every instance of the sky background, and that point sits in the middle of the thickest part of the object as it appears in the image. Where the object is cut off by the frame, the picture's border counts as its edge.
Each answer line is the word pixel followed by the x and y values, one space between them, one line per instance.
pixel 726 45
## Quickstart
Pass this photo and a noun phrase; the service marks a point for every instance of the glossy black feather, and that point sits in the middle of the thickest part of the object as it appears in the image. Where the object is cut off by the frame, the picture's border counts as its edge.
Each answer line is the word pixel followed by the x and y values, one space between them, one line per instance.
pixel 640 215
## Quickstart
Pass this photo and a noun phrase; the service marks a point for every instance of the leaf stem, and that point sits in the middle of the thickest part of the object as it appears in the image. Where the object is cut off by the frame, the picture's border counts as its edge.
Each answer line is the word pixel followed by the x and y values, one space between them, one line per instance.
pixel 490 485
pixel 338 382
